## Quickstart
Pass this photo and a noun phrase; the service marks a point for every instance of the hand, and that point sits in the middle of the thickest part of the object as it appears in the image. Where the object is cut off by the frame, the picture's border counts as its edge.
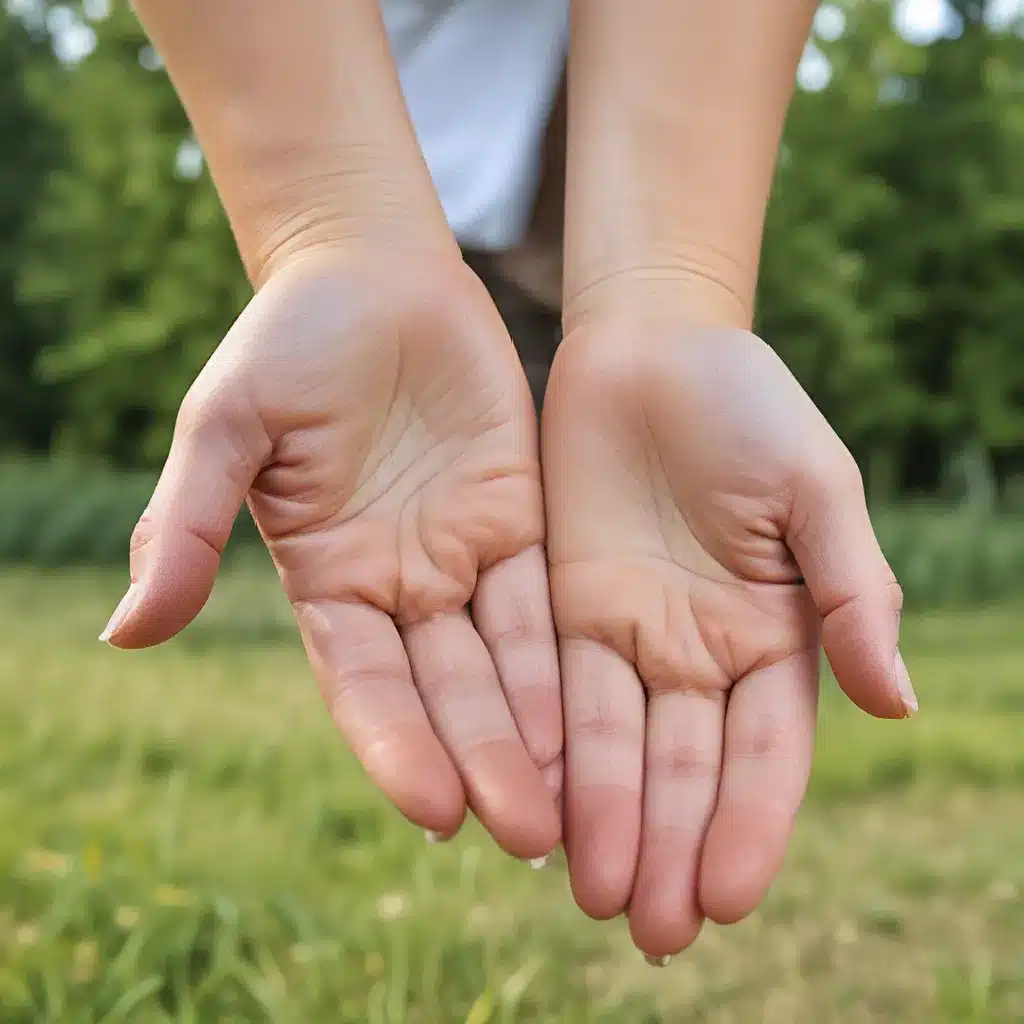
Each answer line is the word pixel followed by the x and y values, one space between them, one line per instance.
pixel 706 529
pixel 375 413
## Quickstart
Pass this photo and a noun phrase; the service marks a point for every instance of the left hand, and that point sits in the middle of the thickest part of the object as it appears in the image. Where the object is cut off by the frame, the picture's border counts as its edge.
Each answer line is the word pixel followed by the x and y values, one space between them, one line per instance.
pixel 370 407
pixel 707 531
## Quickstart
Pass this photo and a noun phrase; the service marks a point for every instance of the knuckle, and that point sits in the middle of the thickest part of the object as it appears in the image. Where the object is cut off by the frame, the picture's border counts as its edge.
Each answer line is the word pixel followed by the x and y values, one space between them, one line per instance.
pixel 686 761
pixel 766 737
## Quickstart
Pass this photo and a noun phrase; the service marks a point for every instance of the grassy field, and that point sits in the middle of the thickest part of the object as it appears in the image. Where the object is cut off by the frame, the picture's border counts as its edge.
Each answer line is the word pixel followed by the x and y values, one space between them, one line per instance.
pixel 183 838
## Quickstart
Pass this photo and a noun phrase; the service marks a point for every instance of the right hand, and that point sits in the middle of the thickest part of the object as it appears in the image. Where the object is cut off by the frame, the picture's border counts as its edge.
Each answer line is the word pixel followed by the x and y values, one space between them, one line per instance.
pixel 708 533
pixel 374 411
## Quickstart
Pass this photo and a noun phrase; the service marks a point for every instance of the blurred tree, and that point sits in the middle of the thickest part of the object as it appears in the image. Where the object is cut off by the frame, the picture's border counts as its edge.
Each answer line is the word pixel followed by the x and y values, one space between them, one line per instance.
pixel 822 302
pixel 894 244
pixel 131 254
pixel 955 154
pixel 29 145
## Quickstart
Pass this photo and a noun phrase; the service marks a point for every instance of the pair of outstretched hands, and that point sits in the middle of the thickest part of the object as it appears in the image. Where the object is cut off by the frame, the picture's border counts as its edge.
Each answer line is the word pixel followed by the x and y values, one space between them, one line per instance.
pixel 660 601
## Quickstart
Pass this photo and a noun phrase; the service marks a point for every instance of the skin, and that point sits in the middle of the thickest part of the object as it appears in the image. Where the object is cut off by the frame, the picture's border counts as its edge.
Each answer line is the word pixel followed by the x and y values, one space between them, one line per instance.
pixel 370 406
pixel 707 530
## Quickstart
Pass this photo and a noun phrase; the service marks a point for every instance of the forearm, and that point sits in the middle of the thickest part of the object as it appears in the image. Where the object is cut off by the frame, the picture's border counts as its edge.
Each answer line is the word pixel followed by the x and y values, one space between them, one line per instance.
pixel 300 115
pixel 675 114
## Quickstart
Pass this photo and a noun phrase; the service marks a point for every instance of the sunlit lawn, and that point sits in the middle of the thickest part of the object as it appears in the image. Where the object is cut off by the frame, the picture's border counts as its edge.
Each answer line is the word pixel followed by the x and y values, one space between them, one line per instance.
pixel 184 838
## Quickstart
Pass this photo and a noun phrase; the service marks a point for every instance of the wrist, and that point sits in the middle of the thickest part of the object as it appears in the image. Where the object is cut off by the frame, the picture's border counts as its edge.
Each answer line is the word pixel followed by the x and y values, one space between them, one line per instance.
pixel 703 289
pixel 300 114
pixel 286 202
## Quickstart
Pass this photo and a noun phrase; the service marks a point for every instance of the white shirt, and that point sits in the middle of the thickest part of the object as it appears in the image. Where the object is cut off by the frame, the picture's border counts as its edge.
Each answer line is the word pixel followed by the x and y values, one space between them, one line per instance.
pixel 480 79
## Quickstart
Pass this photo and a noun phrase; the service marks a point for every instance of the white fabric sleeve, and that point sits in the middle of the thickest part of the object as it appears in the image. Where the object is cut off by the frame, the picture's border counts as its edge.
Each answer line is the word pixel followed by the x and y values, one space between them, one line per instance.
pixel 480 79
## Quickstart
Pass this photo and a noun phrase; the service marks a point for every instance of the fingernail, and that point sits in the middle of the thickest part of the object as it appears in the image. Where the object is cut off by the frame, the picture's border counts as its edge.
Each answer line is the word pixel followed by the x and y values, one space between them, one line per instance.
pixel 124 606
pixel 905 687
pixel 658 961
pixel 433 837
pixel 539 862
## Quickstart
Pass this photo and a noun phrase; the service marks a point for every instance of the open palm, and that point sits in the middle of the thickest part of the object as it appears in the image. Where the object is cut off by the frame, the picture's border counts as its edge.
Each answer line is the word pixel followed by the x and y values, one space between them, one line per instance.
pixel 706 531
pixel 374 413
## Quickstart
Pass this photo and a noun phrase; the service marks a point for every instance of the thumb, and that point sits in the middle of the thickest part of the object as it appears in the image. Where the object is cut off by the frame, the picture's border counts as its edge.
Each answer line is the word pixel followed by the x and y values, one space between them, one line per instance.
pixel 854 589
pixel 218 448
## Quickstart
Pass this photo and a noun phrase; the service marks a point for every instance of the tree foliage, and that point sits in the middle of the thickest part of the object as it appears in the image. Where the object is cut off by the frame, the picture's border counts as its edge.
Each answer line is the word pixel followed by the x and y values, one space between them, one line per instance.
pixel 130 257
pixel 28 147
pixel 891 277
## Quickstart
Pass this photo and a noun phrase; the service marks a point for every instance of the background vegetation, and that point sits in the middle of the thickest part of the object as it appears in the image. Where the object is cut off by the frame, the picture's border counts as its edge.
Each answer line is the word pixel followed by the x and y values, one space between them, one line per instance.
pixel 891 278
pixel 892 265
pixel 182 836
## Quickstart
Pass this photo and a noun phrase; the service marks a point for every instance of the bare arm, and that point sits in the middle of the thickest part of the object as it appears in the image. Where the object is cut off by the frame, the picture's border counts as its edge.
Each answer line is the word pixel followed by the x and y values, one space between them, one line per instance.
pixel 300 114
pixel 675 115
pixel 692 487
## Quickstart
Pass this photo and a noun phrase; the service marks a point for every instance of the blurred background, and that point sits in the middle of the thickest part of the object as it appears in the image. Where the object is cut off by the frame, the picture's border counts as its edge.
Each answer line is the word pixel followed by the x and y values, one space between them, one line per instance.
pixel 182 836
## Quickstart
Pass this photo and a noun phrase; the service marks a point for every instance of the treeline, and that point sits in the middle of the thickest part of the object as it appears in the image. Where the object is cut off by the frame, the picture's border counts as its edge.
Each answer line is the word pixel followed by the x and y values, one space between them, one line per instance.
pixel 892 280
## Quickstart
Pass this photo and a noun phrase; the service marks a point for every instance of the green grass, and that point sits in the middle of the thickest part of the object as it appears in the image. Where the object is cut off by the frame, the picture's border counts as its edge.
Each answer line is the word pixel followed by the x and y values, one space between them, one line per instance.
pixel 183 838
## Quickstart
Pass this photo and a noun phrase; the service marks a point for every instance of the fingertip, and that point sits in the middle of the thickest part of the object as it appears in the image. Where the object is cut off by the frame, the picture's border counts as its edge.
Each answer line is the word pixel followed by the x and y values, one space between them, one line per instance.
pixel 872 689
pixel 530 840
pixel 731 903
pixel 603 838
pixel 179 574
pixel 660 936
pixel 509 795
pixel 664 913
pixel 737 871
pixel 153 622
pixel 727 893
pixel 859 643
pixel 729 887
pixel 441 818
pixel 430 796
pixel 728 910
pixel 599 899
